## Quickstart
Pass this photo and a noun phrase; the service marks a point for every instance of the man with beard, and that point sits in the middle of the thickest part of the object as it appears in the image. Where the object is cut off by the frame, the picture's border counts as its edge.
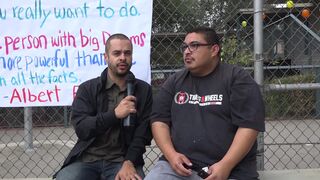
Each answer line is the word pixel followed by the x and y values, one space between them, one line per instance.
pixel 106 149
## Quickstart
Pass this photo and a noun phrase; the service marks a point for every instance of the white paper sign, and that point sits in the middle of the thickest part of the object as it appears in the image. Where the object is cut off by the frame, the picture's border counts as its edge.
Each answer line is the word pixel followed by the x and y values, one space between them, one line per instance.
pixel 48 48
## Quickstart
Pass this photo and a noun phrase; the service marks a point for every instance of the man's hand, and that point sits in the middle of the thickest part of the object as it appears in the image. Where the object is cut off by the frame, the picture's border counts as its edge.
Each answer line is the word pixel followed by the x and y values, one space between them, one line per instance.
pixel 128 172
pixel 218 171
pixel 125 107
pixel 161 134
pixel 176 161
pixel 241 145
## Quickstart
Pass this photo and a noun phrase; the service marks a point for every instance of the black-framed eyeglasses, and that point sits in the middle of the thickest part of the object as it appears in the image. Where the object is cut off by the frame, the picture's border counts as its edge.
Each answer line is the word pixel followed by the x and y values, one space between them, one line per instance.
pixel 192 46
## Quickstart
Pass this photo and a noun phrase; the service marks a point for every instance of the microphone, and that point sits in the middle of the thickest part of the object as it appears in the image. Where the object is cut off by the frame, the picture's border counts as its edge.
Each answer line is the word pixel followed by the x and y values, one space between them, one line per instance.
pixel 130 119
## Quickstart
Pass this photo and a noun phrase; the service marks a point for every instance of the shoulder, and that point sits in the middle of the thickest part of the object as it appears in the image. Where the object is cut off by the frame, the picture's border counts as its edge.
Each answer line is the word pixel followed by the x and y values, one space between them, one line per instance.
pixel 143 91
pixel 142 83
pixel 178 76
pixel 90 86
pixel 234 71
pixel 174 81
pixel 142 88
pixel 91 82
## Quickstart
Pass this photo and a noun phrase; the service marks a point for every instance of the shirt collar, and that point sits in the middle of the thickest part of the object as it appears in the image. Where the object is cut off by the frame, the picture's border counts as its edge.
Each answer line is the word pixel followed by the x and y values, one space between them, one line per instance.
pixel 109 83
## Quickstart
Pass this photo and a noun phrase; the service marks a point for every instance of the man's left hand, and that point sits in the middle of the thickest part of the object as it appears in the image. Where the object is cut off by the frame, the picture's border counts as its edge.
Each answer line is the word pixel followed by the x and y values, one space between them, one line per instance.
pixel 128 172
pixel 218 171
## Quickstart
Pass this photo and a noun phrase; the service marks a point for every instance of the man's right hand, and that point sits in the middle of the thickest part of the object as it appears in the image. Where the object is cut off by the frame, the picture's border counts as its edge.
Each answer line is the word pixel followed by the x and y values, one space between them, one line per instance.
pixel 125 107
pixel 161 135
pixel 177 160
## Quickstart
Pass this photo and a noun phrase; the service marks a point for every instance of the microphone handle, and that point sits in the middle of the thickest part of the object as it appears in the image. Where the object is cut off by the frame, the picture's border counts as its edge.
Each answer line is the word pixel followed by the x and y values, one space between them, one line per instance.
pixel 129 120
pixel 129 89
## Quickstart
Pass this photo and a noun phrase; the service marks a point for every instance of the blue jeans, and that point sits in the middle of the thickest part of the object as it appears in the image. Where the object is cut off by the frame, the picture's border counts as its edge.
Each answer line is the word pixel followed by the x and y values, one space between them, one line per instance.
pixel 98 170
pixel 163 171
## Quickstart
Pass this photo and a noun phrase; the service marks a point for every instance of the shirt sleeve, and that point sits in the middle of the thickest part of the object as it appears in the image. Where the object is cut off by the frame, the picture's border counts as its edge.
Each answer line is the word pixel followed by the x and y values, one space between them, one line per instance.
pixel 84 117
pixel 161 108
pixel 247 106
pixel 142 134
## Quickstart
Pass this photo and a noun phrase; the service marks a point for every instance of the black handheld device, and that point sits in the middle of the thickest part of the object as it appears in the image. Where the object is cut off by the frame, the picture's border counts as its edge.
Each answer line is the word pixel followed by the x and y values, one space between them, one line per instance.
pixel 201 172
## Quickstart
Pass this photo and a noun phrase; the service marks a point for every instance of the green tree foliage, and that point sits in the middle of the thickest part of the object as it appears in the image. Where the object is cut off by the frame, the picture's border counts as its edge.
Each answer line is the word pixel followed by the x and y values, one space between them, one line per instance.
pixel 172 15
pixel 235 53
pixel 172 18
pixel 294 103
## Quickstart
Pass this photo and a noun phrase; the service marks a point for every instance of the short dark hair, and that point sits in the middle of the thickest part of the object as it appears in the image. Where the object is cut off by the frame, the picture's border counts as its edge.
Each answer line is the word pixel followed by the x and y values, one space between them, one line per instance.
pixel 115 36
pixel 209 34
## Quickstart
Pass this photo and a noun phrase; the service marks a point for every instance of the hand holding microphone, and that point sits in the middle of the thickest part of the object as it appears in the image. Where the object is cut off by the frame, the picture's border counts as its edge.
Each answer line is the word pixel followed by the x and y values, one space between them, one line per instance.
pixel 125 107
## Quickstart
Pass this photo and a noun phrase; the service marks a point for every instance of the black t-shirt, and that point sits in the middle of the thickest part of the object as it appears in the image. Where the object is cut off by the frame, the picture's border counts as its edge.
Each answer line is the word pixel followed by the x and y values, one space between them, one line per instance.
pixel 204 114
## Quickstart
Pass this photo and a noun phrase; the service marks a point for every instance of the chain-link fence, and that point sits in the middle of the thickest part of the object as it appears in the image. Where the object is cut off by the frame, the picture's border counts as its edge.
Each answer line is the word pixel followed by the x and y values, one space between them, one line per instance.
pixel 291 54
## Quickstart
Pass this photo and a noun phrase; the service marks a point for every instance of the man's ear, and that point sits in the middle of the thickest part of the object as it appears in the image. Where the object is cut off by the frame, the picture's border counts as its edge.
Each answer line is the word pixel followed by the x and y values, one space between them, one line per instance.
pixel 215 50
pixel 106 57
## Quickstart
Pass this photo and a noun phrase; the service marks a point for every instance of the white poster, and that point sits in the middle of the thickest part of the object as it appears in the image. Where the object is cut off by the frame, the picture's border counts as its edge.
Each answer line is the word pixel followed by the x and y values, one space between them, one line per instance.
pixel 48 48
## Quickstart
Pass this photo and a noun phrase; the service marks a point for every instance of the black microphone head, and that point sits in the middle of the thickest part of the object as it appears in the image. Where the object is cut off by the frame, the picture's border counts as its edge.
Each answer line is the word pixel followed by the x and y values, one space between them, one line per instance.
pixel 130 78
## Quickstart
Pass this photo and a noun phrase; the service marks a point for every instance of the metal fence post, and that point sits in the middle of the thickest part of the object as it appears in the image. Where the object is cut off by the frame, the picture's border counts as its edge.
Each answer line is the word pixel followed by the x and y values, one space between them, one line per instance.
pixel 28 136
pixel 317 103
pixel 65 116
pixel 258 68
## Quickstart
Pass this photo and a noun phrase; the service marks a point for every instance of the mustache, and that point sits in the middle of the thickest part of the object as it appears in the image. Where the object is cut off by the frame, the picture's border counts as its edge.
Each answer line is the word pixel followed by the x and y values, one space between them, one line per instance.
pixel 123 63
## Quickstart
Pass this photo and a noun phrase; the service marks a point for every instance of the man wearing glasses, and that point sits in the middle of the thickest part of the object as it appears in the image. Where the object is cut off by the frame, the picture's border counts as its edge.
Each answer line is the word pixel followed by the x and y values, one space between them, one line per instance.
pixel 206 118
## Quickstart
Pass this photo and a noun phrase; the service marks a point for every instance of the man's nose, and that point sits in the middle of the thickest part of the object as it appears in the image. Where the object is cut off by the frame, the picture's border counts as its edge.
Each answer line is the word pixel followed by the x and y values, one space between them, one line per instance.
pixel 122 56
pixel 187 50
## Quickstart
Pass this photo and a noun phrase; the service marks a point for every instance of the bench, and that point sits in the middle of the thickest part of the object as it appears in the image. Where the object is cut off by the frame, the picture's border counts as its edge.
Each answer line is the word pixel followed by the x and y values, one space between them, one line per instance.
pixel 292 174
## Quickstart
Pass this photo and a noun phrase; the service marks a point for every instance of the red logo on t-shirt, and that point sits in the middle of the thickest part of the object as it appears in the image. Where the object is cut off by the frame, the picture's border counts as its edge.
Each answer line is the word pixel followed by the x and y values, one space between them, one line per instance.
pixel 181 97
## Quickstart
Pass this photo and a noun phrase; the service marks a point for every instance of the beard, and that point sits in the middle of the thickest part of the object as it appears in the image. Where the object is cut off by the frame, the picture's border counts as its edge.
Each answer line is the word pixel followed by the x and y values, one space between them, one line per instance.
pixel 122 74
pixel 118 72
